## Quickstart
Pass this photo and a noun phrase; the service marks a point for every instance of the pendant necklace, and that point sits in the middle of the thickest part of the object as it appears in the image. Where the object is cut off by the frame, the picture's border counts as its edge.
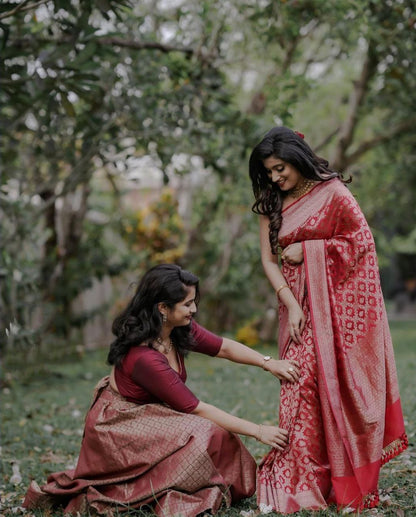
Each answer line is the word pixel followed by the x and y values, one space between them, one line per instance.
pixel 166 349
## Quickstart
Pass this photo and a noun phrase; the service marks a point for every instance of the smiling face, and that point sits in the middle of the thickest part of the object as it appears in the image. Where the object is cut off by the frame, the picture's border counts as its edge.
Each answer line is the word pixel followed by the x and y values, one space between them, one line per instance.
pixel 182 312
pixel 285 175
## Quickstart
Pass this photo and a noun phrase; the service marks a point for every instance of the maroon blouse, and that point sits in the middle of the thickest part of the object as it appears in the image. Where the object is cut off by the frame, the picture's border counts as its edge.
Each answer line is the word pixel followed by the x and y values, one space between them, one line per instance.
pixel 146 377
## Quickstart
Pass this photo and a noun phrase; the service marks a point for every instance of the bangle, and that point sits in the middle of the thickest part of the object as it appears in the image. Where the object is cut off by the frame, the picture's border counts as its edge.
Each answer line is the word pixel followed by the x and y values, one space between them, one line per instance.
pixel 265 359
pixel 259 437
pixel 280 288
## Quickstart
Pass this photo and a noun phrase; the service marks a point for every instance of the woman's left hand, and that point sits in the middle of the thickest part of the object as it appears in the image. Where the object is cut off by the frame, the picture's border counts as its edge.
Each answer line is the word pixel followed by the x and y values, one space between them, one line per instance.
pixel 293 254
pixel 284 370
pixel 297 322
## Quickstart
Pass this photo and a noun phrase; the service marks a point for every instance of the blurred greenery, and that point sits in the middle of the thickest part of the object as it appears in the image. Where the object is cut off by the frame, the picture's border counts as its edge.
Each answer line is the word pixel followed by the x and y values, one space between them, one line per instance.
pixel 91 91
pixel 44 408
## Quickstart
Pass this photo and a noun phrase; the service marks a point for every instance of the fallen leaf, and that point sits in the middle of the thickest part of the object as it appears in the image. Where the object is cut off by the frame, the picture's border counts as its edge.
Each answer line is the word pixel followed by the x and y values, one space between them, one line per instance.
pixel 16 476
pixel 18 509
pixel 264 508
pixel 385 499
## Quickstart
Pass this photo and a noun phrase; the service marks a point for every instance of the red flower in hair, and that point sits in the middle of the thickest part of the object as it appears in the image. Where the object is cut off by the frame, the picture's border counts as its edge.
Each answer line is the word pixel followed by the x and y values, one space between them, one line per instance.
pixel 299 134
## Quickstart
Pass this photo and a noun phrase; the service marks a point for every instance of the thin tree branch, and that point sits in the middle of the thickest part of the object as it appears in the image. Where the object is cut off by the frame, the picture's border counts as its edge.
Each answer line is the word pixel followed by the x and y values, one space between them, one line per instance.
pixel 379 139
pixel 326 140
pixel 141 45
pixel 109 41
pixel 20 8
pixel 330 60
pixel 234 231
pixel 113 183
pixel 313 54
pixel 357 97
pixel 74 178
pixel 290 53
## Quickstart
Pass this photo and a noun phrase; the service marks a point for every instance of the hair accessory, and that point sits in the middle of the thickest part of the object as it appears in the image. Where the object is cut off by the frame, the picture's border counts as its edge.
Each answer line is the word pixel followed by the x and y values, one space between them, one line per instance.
pixel 299 134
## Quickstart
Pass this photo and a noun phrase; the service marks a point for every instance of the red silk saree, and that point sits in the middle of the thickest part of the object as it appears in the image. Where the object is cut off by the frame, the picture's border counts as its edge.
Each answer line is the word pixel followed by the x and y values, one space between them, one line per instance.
pixel 135 456
pixel 344 416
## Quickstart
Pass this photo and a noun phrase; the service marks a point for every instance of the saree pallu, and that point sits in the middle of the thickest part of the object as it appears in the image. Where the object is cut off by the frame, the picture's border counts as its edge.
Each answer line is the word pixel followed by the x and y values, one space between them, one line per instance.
pixel 150 456
pixel 344 416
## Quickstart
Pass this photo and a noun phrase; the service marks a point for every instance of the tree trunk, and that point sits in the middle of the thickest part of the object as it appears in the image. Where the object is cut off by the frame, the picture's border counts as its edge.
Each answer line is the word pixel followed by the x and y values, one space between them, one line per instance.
pixel 357 96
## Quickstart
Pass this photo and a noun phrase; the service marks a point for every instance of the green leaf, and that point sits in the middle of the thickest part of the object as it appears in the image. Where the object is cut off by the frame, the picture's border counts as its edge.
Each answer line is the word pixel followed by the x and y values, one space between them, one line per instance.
pixel 67 104
pixel 85 54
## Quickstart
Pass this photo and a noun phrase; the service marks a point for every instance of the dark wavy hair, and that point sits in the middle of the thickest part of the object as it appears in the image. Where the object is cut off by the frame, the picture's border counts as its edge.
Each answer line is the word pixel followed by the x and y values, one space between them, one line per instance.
pixel 141 322
pixel 287 145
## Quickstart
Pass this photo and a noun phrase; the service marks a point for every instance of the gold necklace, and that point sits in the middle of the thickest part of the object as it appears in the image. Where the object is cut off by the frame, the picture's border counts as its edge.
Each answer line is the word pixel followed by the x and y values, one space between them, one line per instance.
pixel 303 189
pixel 166 349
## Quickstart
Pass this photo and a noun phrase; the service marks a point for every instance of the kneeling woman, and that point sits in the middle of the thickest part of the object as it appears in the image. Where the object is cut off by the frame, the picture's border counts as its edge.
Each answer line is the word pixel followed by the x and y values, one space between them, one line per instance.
pixel 148 440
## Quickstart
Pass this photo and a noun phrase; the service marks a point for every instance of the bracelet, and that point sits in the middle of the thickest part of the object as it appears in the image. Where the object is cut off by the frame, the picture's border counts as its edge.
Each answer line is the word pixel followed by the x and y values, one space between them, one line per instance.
pixel 280 288
pixel 259 437
pixel 265 359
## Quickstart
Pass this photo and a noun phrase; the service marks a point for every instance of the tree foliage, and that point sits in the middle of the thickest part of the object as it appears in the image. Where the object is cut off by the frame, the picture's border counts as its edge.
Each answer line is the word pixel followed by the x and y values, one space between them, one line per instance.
pixel 342 73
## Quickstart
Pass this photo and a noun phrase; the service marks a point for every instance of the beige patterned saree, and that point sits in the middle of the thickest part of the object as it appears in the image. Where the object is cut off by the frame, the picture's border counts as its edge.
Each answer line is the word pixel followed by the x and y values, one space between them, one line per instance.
pixel 135 456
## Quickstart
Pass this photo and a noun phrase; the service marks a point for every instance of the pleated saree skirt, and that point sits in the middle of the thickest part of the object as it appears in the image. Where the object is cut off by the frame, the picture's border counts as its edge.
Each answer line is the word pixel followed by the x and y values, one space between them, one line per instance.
pixel 135 456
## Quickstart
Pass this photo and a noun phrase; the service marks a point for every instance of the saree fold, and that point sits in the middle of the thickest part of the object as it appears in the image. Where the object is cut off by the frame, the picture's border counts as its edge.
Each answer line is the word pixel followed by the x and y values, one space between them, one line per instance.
pixel 344 416
pixel 135 456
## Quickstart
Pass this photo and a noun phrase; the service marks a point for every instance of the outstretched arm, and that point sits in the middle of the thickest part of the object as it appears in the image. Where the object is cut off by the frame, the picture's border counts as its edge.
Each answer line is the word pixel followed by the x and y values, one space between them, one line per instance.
pixel 239 353
pixel 268 434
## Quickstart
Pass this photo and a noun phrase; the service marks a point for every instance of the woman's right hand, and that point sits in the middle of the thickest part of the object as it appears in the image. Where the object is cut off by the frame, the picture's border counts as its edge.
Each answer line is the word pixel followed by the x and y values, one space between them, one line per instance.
pixel 273 435
pixel 297 322
pixel 287 370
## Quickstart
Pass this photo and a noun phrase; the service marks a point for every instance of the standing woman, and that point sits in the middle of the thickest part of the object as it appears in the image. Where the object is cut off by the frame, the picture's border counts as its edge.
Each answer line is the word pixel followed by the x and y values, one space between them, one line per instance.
pixel 344 416
pixel 148 440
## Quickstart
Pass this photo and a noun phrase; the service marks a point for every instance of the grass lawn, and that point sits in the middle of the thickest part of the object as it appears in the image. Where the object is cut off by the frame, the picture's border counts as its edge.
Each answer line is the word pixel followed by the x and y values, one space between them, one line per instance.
pixel 42 419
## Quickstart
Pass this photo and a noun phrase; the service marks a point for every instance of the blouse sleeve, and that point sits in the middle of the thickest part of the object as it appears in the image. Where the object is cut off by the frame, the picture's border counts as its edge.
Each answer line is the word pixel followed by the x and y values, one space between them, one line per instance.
pixel 206 342
pixel 157 377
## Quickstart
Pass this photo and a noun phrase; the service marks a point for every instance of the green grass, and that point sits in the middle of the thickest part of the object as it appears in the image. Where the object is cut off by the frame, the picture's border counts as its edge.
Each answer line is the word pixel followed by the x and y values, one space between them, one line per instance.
pixel 42 418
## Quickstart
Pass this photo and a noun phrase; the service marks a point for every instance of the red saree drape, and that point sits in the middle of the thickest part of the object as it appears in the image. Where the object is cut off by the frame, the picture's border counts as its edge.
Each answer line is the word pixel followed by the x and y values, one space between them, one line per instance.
pixel 344 416
pixel 149 455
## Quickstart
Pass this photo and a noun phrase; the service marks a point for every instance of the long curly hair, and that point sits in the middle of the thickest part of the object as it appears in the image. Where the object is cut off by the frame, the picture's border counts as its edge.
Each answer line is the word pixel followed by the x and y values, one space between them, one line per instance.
pixel 141 322
pixel 287 145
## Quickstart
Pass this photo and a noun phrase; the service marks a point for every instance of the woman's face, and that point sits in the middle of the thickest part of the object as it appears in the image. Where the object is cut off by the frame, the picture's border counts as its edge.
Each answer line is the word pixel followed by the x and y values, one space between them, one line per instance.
pixel 182 312
pixel 285 175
